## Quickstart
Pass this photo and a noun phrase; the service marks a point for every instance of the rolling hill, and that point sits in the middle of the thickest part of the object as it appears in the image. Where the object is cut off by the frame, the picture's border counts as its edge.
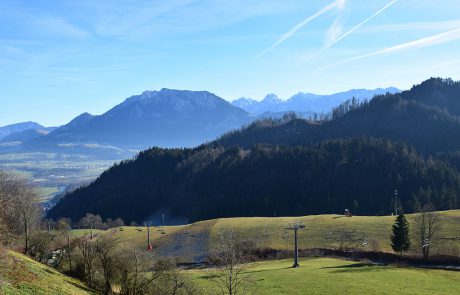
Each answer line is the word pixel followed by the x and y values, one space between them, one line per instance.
pixel 192 242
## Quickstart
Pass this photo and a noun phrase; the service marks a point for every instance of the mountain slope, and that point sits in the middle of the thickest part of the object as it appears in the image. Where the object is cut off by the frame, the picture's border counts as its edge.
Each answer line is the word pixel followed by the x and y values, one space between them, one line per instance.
pixel 13 128
pixel 167 118
pixel 27 135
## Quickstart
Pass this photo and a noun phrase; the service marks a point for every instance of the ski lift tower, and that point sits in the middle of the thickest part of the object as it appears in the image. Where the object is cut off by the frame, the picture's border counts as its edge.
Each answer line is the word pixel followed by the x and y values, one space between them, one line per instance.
pixel 295 226
pixel 149 246
pixel 396 201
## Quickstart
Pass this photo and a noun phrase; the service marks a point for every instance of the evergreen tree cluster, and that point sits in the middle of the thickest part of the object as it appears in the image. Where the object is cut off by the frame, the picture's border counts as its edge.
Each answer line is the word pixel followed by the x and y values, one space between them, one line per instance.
pixel 400 240
pixel 211 182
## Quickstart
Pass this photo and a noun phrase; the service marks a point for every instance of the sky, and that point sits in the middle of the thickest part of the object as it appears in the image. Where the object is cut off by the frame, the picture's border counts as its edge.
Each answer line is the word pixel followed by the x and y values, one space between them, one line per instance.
pixel 60 58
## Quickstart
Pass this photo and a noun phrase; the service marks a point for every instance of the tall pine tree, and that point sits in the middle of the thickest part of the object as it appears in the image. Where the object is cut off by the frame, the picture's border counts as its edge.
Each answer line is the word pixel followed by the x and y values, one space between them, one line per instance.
pixel 400 240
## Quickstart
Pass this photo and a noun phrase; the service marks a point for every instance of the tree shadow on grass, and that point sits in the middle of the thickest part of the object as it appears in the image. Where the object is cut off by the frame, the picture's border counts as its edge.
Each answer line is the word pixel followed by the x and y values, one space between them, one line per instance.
pixel 356 267
pixel 265 270
pixel 81 287
pixel 212 276
pixel 207 277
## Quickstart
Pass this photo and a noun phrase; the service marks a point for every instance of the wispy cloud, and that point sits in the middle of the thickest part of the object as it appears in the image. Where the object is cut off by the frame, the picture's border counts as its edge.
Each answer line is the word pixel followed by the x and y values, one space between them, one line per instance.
pixel 334 31
pixel 361 24
pixel 336 4
pixel 58 26
pixel 412 26
pixel 420 43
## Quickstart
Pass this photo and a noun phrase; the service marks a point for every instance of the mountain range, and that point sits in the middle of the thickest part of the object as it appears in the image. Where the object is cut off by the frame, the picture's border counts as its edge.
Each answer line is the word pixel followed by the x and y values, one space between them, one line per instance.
pixel 165 118
pixel 310 102
pixel 291 166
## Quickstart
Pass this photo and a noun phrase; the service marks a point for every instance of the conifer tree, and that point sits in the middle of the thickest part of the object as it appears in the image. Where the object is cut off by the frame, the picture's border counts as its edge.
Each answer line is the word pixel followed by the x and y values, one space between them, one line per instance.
pixel 400 240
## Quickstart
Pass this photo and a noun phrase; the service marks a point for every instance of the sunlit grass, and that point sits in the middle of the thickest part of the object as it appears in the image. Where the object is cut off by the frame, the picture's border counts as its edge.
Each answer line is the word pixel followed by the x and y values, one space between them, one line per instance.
pixel 333 276
pixel 22 275
pixel 192 241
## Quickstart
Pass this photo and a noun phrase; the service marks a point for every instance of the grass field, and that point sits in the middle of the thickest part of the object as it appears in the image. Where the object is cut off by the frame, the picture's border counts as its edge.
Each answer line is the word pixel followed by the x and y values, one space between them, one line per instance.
pixel 191 242
pixel 333 276
pixel 22 275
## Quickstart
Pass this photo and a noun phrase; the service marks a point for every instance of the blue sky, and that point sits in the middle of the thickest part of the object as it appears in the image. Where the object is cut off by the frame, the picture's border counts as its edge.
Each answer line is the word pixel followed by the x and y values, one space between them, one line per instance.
pixel 59 58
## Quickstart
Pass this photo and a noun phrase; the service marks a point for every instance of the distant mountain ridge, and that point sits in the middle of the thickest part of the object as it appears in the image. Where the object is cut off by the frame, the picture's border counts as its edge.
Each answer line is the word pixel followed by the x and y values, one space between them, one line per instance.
pixel 26 135
pixel 167 118
pixel 307 102
pixel 18 127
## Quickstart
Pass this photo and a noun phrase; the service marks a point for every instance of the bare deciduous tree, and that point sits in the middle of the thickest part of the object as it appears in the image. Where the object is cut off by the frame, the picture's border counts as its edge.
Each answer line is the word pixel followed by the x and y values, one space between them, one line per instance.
pixel 135 278
pixel 427 225
pixel 87 250
pixel 19 210
pixel 344 236
pixel 107 251
pixel 7 222
pixel 227 254
pixel 169 280
pixel 26 209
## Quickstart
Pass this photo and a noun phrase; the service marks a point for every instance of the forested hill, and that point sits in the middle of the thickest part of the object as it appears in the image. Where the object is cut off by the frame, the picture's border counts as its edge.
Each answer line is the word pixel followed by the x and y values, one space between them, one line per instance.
pixel 408 141
pixel 208 182
pixel 426 117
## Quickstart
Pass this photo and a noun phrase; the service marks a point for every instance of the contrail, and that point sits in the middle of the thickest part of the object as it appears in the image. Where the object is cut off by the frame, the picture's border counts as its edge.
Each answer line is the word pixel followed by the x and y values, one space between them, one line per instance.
pixel 420 43
pixel 362 23
pixel 293 30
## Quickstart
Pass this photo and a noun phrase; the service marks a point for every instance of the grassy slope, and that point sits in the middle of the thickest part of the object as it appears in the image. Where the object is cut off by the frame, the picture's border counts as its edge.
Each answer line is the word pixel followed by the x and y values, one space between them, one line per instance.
pixel 192 241
pixel 333 276
pixel 22 275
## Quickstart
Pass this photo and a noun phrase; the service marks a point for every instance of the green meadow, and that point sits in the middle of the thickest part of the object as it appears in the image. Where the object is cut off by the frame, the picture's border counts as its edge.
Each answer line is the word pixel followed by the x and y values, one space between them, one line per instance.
pixel 334 276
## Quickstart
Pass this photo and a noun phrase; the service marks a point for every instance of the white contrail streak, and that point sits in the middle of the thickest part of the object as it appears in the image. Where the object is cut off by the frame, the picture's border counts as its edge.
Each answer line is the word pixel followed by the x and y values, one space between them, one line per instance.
pixel 420 43
pixel 362 23
pixel 293 30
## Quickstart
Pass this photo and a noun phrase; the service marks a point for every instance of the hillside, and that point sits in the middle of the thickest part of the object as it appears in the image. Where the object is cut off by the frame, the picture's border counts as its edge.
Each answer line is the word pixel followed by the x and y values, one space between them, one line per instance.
pixel 207 182
pixel 22 275
pixel 191 242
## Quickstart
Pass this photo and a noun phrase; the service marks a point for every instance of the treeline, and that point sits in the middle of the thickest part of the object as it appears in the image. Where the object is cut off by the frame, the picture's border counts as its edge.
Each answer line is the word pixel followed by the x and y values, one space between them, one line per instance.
pixel 103 264
pixel 213 181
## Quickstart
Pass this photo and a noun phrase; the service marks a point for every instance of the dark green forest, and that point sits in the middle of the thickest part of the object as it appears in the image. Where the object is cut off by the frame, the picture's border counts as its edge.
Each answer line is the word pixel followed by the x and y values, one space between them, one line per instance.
pixel 408 141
